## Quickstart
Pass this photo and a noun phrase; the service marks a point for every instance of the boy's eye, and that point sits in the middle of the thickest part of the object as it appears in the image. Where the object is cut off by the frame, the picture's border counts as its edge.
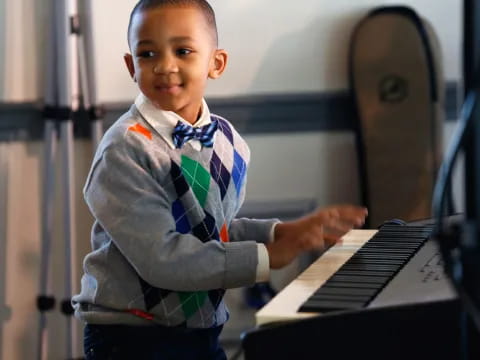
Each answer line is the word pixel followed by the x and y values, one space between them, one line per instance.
pixel 146 54
pixel 183 52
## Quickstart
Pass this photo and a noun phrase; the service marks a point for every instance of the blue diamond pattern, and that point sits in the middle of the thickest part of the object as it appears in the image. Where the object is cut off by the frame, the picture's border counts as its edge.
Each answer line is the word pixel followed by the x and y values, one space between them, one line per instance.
pixel 216 296
pixel 206 230
pixel 220 174
pixel 238 171
pixel 225 129
pixel 181 185
pixel 181 219
pixel 152 295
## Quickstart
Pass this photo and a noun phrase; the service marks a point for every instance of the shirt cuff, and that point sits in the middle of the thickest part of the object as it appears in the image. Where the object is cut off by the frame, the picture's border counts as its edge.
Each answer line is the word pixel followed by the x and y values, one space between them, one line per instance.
pixel 272 231
pixel 263 266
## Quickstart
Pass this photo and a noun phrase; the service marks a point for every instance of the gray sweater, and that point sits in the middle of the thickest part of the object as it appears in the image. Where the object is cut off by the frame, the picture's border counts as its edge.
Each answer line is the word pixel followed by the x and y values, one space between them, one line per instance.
pixel 165 242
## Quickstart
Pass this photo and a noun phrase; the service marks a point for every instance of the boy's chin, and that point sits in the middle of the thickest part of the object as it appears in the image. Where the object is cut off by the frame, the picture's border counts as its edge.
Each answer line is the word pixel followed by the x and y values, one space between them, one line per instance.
pixel 165 107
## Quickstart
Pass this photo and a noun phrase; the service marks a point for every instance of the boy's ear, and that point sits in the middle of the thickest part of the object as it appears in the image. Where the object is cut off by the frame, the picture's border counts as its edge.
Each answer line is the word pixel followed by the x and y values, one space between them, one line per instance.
pixel 219 64
pixel 131 68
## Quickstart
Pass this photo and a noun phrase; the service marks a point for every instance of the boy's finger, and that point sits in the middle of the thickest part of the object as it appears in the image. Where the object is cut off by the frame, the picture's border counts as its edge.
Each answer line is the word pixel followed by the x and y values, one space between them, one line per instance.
pixel 331 239
pixel 339 226
pixel 351 210
pixel 342 211
pixel 354 215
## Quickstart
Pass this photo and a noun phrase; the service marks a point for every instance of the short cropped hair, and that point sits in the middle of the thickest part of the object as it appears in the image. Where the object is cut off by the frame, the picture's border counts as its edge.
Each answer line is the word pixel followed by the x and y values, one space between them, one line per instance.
pixel 202 5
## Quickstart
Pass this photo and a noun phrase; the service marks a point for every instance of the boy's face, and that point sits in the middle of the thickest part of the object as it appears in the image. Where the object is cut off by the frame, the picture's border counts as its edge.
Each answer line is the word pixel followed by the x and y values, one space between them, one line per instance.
pixel 173 55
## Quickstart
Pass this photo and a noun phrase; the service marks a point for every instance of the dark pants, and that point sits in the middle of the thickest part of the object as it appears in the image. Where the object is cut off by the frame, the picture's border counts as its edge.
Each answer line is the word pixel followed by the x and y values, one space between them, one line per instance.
pixel 104 342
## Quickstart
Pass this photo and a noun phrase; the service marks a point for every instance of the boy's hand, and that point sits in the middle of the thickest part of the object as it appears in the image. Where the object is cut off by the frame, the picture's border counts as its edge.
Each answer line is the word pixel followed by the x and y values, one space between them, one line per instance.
pixel 315 231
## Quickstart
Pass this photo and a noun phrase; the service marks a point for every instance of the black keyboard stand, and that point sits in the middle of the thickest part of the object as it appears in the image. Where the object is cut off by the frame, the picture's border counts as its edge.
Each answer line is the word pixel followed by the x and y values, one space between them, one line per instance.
pixel 419 331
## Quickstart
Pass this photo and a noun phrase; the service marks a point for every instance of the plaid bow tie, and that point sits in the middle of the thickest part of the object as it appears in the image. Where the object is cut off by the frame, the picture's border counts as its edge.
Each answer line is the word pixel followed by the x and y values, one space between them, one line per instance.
pixel 182 133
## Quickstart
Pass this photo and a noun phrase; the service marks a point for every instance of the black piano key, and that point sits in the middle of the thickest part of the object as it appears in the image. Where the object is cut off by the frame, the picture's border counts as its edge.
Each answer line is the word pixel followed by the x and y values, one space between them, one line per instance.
pixel 381 245
pixel 379 252
pixel 368 258
pixel 331 305
pixel 375 260
pixel 394 258
pixel 402 234
pixel 399 251
pixel 345 291
pixel 346 297
pixel 412 240
pixel 406 229
pixel 373 247
pixel 340 284
pixel 383 274
pixel 399 234
pixel 366 254
pixel 359 279
pixel 397 240
pixel 366 266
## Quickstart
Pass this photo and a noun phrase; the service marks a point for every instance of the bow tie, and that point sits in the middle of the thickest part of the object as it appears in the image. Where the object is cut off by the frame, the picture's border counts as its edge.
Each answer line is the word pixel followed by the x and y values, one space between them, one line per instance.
pixel 182 133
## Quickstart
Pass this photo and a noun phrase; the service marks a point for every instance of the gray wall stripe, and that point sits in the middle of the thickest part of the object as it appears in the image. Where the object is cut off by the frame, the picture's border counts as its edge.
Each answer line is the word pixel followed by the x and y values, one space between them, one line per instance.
pixel 329 111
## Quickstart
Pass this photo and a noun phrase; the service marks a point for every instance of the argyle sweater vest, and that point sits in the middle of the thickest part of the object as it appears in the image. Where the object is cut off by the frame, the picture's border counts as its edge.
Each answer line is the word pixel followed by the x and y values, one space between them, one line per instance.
pixel 165 242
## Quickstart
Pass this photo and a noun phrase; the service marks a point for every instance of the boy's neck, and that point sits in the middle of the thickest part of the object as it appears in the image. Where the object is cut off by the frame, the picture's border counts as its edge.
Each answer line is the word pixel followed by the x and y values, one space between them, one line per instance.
pixel 194 119
pixel 191 119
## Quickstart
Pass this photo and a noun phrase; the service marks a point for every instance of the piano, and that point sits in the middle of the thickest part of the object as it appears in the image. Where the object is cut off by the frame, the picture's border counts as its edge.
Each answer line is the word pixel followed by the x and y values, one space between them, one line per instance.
pixel 377 294
pixel 395 265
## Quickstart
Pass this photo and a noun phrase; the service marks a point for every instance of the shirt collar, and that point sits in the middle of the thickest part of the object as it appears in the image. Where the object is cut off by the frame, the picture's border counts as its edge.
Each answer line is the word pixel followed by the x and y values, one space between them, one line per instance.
pixel 165 121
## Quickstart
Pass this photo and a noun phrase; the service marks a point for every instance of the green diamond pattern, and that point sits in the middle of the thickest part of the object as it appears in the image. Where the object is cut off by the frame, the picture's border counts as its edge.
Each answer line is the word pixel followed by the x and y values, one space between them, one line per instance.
pixel 192 301
pixel 199 180
pixel 197 177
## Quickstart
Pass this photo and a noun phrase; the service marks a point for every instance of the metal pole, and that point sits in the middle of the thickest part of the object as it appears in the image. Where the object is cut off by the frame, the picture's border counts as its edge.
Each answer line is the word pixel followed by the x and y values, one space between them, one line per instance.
pixel 68 98
pixel 45 299
pixel 62 98
pixel 5 311
pixel 88 74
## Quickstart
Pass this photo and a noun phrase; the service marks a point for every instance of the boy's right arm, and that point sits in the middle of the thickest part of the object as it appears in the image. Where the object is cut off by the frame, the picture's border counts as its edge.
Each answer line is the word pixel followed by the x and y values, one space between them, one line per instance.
pixel 316 231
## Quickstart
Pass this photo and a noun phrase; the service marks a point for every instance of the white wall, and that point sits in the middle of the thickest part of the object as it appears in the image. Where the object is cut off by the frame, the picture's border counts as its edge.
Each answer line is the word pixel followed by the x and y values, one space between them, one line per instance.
pixel 301 166
pixel 22 43
pixel 275 46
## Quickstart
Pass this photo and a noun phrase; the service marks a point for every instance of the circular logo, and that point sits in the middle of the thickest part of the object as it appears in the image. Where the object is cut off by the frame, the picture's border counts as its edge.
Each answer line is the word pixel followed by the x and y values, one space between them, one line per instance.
pixel 393 89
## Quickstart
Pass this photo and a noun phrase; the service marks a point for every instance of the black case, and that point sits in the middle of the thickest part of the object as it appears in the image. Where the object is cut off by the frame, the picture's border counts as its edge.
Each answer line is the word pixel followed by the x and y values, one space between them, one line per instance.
pixel 398 93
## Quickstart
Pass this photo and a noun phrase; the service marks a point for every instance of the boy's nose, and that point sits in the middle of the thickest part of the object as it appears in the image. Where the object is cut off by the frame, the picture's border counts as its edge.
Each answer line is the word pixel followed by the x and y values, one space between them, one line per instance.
pixel 165 65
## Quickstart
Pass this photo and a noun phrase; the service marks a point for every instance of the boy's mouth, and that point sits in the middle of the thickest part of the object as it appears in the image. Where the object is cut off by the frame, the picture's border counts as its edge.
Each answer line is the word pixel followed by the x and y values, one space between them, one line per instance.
pixel 168 88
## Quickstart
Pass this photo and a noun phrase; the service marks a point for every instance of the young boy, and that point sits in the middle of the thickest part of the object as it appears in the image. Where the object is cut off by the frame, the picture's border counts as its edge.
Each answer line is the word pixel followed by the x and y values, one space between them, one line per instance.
pixel 164 195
